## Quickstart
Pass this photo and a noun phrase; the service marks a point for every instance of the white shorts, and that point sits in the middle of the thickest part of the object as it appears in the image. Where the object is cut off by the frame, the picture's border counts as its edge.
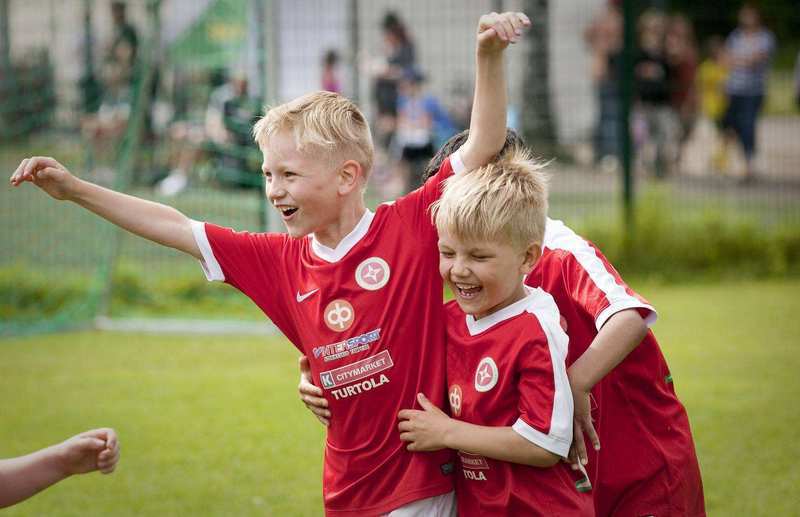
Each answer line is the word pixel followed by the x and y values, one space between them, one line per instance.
pixel 437 506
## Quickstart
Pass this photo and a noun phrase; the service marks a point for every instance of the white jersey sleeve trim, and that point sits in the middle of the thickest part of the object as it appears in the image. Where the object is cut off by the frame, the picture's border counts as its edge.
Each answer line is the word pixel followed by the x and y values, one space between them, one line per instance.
pixel 542 305
pixel 457 163
pixel 622 305
pixel 211 267
pixel 549 442
pixel 559 236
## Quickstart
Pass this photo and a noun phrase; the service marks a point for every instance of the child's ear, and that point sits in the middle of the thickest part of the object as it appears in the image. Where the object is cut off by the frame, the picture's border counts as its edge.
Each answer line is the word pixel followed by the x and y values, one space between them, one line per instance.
pixel 532 254
pixel 350 176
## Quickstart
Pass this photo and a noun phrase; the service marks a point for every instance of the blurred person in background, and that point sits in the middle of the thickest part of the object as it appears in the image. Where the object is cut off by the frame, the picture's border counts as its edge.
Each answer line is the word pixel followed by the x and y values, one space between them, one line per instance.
pixel 240 161
pixel 656 126
pixel 682 56
pixel 330 72
pixel 603 36
pixel 121 56
pixel 118 74
pixel 421 124
pixel 711 79
pixel 189 138
pixel 749 47
pixel 399 56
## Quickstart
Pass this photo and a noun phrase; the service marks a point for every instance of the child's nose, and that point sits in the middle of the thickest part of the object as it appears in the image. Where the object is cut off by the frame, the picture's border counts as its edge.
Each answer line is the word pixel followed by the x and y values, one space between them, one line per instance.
pixel 275 191
pixel 459 268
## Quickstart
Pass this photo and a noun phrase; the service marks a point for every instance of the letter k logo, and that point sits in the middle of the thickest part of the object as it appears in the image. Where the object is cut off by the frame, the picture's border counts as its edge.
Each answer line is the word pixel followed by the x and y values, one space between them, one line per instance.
pixel 301 297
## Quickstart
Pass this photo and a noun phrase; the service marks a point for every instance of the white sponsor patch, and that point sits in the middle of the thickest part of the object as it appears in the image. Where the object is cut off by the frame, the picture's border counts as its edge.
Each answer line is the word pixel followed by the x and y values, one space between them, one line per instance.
pixel 373 273
pixel 486 375
pixel 360 387
pixel 339 315
pixel 356 371
pixel 349 346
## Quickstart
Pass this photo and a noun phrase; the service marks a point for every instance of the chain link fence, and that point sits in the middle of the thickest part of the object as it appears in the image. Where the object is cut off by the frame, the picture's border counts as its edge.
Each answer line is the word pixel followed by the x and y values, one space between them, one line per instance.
pixel 157 98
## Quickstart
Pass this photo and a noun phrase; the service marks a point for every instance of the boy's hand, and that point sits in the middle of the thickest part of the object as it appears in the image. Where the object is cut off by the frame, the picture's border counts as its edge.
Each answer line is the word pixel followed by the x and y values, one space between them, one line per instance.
pixel 97 449
pixel 497 31
pixel 311 395
pixel 424 430
pixel 47 174
pixel 582 424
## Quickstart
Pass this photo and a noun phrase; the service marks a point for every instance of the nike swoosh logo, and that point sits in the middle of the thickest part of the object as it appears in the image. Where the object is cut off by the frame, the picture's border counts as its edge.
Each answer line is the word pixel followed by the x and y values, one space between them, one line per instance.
pixel 301 297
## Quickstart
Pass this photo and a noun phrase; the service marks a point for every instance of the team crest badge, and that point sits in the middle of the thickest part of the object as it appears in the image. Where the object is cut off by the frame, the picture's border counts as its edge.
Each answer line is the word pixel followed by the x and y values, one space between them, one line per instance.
pixel 455 399
pixel 486 375
pixel 339 315
pixel 372 274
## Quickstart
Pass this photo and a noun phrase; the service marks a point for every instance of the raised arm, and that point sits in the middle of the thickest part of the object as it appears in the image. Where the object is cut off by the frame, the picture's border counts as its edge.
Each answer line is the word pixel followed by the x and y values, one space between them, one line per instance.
pixel 431 429
pixel 488 120
pixel 153 221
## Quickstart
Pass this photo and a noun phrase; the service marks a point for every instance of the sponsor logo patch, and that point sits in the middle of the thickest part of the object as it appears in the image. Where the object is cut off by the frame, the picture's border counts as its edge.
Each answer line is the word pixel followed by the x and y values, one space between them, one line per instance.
pixel 348 346
pixel 486 375
pixel 356 371
pixel 473 461
pixel 360 387
pixel 373 273
pixel 300 297
pixel 455 397
pixel 339 315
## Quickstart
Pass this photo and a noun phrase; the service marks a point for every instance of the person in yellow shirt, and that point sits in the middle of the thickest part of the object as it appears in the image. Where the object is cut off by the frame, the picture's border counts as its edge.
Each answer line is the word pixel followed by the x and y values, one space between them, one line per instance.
pixel 711 78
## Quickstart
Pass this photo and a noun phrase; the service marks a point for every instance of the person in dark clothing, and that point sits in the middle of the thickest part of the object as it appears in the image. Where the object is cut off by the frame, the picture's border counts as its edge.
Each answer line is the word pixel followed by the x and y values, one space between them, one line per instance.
pixel 400 57
pixel 658 126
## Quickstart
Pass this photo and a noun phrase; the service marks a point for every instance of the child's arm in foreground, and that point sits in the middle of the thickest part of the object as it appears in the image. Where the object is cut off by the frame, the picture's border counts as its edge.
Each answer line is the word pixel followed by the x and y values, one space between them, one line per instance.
pixel 22 477
pixel 616 339
pixel 488 120
pixel 153 221
pixel 431 429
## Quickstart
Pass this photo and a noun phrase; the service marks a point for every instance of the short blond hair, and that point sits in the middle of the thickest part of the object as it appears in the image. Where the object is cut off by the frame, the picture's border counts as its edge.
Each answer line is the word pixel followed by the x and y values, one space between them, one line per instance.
pixel 502 201
pixel 321 121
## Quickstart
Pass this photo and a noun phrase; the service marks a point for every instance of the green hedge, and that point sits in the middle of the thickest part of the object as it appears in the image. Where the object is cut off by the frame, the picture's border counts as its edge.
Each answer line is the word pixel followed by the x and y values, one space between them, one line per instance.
pixel 685 246
pixel 664 246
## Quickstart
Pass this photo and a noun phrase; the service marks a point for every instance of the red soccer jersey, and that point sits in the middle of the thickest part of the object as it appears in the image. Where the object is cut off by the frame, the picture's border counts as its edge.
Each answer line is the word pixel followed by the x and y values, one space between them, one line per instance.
pixel 647 463
pixel 508 369
pixel 369 316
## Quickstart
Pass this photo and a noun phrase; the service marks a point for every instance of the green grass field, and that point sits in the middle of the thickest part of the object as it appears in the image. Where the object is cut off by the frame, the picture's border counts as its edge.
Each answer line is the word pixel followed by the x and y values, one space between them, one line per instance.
pixel 212 426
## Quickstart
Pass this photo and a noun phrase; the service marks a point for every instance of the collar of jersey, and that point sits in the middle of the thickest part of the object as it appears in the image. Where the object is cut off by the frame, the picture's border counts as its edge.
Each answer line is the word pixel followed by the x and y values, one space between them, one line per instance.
pixel 345 245
pixel 476 327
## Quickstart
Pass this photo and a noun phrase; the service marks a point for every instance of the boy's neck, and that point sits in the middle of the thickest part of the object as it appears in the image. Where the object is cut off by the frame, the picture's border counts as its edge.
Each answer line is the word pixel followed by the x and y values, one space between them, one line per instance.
pixel 341 228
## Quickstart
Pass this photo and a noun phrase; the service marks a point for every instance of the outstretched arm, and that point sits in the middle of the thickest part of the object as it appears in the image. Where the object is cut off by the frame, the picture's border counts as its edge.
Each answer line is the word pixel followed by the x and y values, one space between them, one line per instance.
pixel 22 477
pixel 487 128
pixel 153 221
pixel 431 429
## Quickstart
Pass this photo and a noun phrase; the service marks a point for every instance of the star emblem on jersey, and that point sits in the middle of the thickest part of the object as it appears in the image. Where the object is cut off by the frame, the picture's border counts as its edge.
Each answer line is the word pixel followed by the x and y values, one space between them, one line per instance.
pixel 339 315
pixel 301 297
pixel 372 274
pixel 486 375
pixel 455 399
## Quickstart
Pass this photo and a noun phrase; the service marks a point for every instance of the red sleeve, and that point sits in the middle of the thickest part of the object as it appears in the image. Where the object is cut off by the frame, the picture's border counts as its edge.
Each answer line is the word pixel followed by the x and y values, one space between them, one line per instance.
pixel 253 263
pixel 596 287
pixel 545 398
pixel 414 208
